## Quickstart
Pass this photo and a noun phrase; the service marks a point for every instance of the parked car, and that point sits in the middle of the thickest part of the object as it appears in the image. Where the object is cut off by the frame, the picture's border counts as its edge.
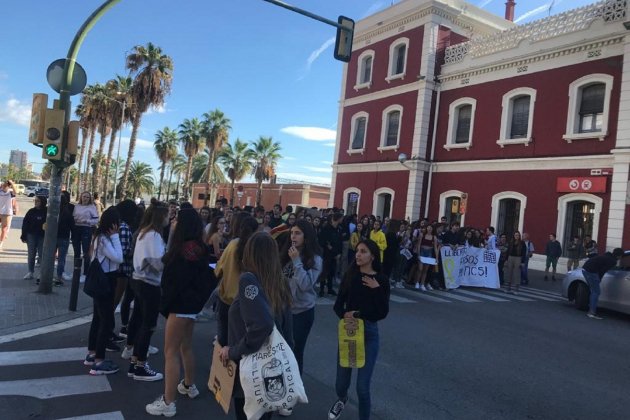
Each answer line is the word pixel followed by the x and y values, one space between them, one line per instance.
pixel 19 188
pixel 30 191
pixel 42 192
pixel 615 288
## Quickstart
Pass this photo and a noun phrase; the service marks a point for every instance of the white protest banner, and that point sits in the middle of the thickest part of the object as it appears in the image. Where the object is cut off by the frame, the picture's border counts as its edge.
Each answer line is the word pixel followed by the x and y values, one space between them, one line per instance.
pixel 470 266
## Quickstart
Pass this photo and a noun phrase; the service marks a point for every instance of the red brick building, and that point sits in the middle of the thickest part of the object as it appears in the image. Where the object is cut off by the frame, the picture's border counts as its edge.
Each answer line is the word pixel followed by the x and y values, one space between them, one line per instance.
pixel 519 127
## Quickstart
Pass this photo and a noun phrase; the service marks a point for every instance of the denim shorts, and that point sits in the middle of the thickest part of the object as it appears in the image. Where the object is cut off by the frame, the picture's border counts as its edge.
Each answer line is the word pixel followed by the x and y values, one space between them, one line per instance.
pixel 189 316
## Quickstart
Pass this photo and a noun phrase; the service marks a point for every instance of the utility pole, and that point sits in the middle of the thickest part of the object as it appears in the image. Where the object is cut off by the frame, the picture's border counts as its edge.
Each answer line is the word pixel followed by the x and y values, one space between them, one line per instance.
pixel 52 218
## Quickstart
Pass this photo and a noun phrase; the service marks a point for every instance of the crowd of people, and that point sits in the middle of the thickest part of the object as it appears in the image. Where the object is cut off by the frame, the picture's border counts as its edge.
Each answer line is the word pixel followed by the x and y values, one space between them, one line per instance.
pixel 255 269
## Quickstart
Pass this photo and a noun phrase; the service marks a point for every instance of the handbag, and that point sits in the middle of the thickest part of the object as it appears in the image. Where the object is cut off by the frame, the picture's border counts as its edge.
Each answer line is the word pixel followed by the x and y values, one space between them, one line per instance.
pixel 97 284
pixel 270 378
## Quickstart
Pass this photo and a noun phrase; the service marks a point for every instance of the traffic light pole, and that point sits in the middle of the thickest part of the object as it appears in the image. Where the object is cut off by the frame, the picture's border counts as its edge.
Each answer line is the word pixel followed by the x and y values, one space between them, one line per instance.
pixel 52 218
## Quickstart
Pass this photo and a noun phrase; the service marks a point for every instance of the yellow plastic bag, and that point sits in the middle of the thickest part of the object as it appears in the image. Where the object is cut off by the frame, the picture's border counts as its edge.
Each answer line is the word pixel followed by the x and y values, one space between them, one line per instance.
pixel 351 343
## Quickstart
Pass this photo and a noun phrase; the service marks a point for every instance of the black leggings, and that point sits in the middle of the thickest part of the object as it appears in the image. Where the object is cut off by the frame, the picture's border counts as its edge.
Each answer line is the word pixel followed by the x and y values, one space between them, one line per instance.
pixel 239 403
pixel 144 317
pixel 125 304
pixel 102 320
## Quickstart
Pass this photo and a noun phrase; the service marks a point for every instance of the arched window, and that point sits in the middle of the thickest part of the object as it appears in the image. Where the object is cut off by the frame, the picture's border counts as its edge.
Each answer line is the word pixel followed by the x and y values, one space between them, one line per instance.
pixel 508 212
pixel 450 205
pixel 358 132
pixel 351 200
pixel 383 202
pixel 517 117
pixel 390 130
pixel 589 104
pixel 578 215
pixel 461 121
pixel 364 70
pixel 398 52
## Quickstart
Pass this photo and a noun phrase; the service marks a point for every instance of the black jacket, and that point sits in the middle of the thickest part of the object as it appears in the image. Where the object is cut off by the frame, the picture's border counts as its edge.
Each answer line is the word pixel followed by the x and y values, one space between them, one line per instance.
pixel 330 235
pixel 372 304
pixel 66 221
pixel 600 264
pixel 187 281
pixel 33 222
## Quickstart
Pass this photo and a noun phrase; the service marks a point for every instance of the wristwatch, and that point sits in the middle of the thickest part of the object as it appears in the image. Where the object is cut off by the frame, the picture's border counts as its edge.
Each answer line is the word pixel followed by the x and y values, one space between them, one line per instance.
pixel 356 314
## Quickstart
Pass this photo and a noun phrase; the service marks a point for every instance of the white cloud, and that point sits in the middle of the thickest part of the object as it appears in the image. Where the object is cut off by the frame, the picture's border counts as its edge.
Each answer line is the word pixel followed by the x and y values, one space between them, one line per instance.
pixel 288 158
pixel 330 144
pixel 157 109
pixel 373 9
pixel 326 162
pixel 318 169
pixel 16 112
pixel 140 143
pixel 311 133
pixel 315 54
pixel 483 3
pixel 303 177
pixel 548 7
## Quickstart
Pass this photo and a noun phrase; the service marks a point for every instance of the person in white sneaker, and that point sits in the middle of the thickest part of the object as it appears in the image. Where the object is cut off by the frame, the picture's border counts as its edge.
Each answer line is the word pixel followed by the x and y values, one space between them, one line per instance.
pixel 364 294
pixel 8 208
pixel 33 233
pixel 187 282
pixel 106 249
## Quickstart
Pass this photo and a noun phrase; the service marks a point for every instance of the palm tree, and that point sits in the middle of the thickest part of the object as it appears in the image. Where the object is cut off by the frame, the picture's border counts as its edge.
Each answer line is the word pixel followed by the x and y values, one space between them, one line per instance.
pixel 192 142
pixel 216 127
pixel 237 162
pixel 266 155
pixel 140 179
pixel 119 88
pixel 81 112
pixel 165 146
pixel 177 165
pixel 102 109
pixel 152 82
pixel 89 103
pixel 180 166
pixel 199 170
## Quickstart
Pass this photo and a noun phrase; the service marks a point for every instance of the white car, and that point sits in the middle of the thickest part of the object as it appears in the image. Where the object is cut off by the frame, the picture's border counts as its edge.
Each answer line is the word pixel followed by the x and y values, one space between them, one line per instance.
pixel 30 191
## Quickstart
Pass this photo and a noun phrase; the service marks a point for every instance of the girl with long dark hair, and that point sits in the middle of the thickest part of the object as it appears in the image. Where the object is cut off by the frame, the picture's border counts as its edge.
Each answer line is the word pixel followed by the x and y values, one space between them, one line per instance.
pixel 128 211
pixel 85 218
pixel 363 294
pixel 302 265
pixel 216 238
pixel 253 315
pixel 106 249
pixel 33 234
pixel 187 282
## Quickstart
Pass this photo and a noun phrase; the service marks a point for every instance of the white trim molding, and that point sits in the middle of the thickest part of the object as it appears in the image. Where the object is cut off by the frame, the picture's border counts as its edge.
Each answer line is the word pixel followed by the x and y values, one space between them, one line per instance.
pixel 507 113
pixel 496 201
pixel 360 84
pixel 443 197
pixel 453 119
pixel 393 48
pixel 526 164
pixel 379 191
pixel 346 193
pixel 565 199
pixel 384 127
pixel 353 127
pixel 575 97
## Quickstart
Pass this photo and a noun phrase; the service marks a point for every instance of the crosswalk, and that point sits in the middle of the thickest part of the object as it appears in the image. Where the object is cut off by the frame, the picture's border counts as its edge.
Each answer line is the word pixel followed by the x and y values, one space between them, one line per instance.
pixel 465 295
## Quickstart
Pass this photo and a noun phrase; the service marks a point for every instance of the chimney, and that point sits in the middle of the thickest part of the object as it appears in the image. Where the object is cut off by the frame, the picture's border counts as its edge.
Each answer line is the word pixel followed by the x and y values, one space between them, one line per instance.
pixel 509 10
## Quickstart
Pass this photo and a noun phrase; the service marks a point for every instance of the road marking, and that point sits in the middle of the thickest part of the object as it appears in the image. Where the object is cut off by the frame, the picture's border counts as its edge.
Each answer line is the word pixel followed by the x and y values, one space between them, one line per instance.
pixel 114 415
pixel 60 386
pixel 453 295
pixel 540 297
pixel 399 299
pixel 422 295
pixel 324 301
pixel 542 292
pixel 482 295
pixel 31 357
pixel 519 298
pixel 44 330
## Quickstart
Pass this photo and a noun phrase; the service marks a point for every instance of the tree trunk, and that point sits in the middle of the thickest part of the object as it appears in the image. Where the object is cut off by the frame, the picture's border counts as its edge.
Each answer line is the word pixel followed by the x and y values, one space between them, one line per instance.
pixel 86 178
pixel 232 193
pixel 187 188
pixel 108 164
pixel 179 178
pixel 96 179
pixel 209 171
pixel 84 138
pixel 168 188
pixel 132 149
pixel 161 180
pixel 259 195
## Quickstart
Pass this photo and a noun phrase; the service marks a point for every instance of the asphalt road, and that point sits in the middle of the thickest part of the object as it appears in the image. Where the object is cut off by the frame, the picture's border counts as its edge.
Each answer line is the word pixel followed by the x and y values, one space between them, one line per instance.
pixel 470 354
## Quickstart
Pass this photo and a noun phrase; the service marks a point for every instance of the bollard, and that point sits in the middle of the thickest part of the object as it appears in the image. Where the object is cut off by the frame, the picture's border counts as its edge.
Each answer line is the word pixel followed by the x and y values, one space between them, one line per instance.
pixel 74 291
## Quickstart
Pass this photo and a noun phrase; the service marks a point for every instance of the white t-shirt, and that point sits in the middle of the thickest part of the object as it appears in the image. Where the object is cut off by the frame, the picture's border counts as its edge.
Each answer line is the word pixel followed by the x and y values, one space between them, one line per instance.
pixel 6 203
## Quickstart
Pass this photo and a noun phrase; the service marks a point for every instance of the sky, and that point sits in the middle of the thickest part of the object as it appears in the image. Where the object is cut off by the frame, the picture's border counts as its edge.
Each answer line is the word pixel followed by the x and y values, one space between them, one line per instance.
pixel 271 71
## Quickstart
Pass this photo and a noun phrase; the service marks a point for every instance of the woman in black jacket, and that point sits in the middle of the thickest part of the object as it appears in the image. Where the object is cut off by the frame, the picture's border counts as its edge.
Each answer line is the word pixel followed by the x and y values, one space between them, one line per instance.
pixel 187 282
pixel 33 234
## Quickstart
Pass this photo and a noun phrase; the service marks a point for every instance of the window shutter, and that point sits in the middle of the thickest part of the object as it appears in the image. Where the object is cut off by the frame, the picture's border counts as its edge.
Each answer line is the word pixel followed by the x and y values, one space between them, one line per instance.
pixel 464 114
pixel 367 70
pixel 359 133
pixel 393 119
pixel 400 59
pixel 520 117
pixel 593 99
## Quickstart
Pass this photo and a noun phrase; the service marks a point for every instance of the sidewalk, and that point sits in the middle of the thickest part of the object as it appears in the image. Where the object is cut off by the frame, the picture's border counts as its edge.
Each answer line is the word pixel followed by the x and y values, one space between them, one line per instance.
pixel 21 306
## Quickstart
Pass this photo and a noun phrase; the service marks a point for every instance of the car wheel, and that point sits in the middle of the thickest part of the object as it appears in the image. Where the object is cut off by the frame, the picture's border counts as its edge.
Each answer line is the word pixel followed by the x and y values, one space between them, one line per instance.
pixel 582 293
pixel 31 195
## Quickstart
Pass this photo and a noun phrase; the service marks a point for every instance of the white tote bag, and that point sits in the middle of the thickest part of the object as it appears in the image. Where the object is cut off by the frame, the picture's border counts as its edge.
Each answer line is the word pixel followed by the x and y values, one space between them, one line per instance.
pixel 270 378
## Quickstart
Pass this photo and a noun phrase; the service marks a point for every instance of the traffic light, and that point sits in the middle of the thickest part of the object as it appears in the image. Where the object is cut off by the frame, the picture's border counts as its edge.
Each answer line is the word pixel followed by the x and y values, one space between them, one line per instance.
pixel 72 147
pixel 53 134
pixel 343 41
pixel 38 118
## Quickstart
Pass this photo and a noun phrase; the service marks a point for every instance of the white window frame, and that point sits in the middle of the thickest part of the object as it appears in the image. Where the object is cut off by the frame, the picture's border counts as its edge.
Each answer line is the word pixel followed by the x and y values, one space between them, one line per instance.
pixel 453 113
pixel 565 199
pixel 392 59
pixel 353 123
pixel 362 57
pixel 496 201
pixel 386 111
pixel 347 192
pixel 383 190
pixel 575 96
pixel 506 116
pixel 443 197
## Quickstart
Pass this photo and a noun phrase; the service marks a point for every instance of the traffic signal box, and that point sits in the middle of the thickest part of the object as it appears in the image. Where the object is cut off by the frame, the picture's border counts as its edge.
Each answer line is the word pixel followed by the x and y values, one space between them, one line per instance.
pixel 53 134
pixel 38 118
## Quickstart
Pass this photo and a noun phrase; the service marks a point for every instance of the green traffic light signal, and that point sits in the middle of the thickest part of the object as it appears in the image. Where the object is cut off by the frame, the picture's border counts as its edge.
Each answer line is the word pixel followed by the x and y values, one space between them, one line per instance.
pixel 52 150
